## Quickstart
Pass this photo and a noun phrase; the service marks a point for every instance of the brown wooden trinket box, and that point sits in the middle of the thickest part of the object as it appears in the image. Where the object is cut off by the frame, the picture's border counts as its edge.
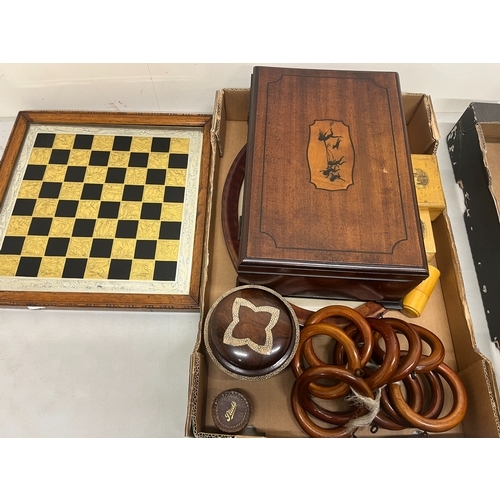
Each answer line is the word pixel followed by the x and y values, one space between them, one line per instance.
pixel 329 205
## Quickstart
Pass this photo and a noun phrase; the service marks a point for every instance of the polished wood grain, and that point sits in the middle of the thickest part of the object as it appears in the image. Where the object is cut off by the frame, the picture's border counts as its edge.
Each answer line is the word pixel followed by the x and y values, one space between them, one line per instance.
pixel 351 316
pixel 303 383
pixel 436 357
pixel 244 339
pixel 353 359
pixel 229 205
pixel 362 241
pixel 409 361
pixel 436 424
pixel 390 362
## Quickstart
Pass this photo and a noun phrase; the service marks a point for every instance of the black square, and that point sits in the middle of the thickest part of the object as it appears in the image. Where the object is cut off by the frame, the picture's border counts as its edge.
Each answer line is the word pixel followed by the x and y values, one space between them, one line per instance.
pixel 156 176
pixel 177 160
pixel 75 174
pixel 119 269
pixel 101 248
pixel 122 143
pixel 12 245
pixel 165 271
pixel 50 190
pixel 66 208
pixel 34 172
pixel 170 230
pixel 145 249
pixel 40 226
pixel 57 247
pixel 132 193
pixel 109 209
pixel 138 160
pixel 116 175
pixel 91 192
pixel 83 227
pixel 24 207
pixel 83 141
pixel 28 266
pixel 59 156
pixel 160 145
pixel 99 158
pixel 174 194
pixel 44 140
pixel 127 229
pixel 151 211
pixel 74 268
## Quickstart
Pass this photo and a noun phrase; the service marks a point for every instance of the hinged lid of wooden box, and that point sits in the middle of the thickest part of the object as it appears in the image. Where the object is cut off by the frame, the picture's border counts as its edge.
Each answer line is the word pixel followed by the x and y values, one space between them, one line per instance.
pixel 329 206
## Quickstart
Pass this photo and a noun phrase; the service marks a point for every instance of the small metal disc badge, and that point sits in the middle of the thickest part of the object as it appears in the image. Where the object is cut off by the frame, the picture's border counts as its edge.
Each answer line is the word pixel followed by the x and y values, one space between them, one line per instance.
pixel 231 412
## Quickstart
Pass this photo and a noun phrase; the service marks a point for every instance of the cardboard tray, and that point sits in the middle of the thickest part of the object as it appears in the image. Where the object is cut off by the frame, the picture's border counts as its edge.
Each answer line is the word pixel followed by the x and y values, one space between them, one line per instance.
pixel 446 313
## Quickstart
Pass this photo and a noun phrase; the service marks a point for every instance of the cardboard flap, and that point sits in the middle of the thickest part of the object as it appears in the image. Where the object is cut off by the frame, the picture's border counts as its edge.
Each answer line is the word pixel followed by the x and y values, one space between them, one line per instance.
pixel 468 120
pixel 482 412
pixel 219 122
pixel 423 132
pixel 490 144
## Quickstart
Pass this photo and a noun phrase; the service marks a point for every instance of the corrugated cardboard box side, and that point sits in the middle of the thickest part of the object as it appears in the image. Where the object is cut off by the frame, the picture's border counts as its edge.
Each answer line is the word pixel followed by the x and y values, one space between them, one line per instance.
pixel 446 313
pixel 474 148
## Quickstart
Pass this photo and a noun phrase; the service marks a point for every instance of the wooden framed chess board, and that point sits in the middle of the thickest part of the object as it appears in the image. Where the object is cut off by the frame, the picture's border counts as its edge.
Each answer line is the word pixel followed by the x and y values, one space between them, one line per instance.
pixel 104 209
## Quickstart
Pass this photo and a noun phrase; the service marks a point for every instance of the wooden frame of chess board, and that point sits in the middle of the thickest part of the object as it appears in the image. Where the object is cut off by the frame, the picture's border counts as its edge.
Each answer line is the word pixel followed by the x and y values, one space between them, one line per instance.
pixel 181 170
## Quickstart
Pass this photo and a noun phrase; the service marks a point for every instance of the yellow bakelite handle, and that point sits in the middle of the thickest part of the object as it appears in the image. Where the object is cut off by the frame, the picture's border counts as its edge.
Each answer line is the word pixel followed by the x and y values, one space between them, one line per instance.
pixel 415 301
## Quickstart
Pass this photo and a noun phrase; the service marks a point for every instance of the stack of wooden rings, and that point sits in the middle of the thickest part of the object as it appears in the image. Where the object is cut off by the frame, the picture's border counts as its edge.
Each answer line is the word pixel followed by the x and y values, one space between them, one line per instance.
pixel 361 365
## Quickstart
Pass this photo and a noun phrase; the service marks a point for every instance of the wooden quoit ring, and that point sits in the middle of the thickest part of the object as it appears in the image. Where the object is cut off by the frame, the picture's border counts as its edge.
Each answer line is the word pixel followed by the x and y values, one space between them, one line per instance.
pixel 409 362
pixel 354 364
pixel 436 357
pixel 352 316
pixel 436 424
pixel 388 364
pixel 302 384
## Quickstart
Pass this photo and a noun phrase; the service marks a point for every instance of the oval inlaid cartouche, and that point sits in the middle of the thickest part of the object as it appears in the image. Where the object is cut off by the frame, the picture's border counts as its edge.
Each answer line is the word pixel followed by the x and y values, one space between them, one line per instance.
pixel 251 332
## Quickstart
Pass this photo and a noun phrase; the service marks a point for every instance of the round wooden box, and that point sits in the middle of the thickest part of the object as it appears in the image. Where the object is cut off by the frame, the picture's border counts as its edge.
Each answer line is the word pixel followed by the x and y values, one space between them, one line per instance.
pixel 251 332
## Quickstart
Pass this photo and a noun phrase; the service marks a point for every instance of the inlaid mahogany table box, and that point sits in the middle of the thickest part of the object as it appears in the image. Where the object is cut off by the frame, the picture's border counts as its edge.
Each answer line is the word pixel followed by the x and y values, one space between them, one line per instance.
pixel 446 313
pixel 329 206
pixel 474 149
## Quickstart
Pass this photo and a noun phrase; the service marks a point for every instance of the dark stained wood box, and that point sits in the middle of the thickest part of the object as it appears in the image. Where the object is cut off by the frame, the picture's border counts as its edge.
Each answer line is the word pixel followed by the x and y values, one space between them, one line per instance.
pixel 329 205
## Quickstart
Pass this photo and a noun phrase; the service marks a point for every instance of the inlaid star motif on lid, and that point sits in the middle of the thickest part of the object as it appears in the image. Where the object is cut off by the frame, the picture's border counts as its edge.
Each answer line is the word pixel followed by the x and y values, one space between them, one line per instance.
pixel 229 339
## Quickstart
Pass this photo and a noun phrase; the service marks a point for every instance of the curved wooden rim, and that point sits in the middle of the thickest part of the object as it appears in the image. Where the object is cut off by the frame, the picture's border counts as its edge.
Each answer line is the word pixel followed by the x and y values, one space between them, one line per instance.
pixel 307 378
pixel 229 206
pixel 321 391
pixel 440 424
pixel 352 316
